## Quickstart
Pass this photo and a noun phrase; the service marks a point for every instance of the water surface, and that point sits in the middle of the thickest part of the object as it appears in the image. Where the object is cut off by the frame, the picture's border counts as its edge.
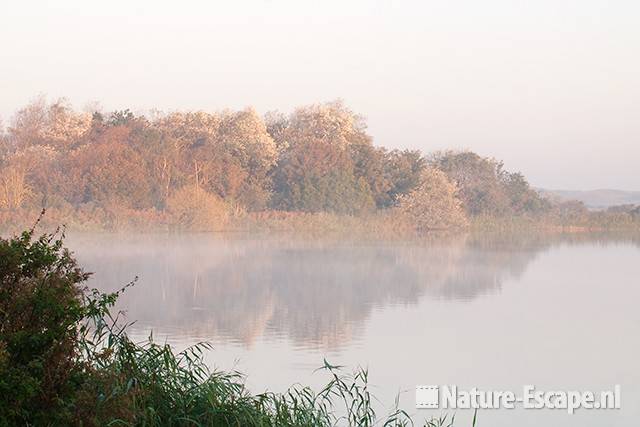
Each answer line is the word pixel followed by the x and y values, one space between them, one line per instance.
pixel 492 311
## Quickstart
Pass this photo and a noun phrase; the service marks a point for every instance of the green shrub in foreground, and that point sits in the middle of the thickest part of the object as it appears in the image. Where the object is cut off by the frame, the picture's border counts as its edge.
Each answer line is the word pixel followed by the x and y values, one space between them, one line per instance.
pixel 40 308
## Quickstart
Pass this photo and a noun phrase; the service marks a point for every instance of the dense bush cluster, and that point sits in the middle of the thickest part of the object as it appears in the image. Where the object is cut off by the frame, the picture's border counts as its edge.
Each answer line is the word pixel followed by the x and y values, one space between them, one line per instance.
pixel 486 188
pixel 198 170
pixel 40 309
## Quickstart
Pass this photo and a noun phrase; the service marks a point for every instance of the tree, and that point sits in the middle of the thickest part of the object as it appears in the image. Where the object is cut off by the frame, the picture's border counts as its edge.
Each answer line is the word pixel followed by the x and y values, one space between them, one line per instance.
pixel 332 123
pixel 121 118
pixel 433 205
pixel 231 151
pixel 160 157
pixel 477 178
pixel 186 129
pixel 244 135
pixel 370 165
pixel 326 160
pixel 277 124
pixel 404 170
pixel 29 123
pixel 522 198
pixel 315 176
pixel 109 171
pixel 14 189
pixel 30 173
pixel 55 124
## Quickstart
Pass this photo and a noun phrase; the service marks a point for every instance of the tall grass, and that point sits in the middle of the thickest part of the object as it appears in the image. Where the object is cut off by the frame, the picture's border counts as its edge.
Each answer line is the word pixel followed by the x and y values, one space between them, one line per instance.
pixel 147 384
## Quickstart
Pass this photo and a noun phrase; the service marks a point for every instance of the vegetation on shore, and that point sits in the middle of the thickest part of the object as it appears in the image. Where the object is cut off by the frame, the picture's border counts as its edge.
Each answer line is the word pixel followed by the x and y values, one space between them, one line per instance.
pixel 65 359
pixel 237 170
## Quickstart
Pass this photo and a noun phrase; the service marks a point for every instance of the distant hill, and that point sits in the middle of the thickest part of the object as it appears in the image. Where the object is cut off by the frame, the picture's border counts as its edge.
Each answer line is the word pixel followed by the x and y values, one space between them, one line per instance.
pixel 595 199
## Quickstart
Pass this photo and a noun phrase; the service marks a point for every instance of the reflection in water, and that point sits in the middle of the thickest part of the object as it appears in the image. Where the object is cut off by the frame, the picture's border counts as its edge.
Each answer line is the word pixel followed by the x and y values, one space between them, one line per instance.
pixel 318 294
pixel 494 311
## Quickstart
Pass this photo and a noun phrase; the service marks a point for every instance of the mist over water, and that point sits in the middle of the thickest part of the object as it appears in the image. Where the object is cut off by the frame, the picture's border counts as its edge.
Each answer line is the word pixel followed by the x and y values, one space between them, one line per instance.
pixel 492 311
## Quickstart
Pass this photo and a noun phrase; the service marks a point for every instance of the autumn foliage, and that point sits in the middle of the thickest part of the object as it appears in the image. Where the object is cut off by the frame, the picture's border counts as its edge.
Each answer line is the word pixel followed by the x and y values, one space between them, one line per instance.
pixel 201 170
pixel 433 204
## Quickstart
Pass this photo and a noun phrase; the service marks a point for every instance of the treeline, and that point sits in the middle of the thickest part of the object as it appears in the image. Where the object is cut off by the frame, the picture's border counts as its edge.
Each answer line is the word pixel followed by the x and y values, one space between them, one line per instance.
pixel 202 170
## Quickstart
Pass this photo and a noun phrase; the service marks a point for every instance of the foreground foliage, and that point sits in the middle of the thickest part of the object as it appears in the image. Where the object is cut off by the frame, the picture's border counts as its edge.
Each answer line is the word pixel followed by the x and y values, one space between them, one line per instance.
pixel 40 308
pixel 66 360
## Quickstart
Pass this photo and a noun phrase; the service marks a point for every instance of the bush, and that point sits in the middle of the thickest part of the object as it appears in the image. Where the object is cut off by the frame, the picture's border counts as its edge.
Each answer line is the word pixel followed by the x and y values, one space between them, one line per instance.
pixel 192 207
pixel 433 205
pixel 40 307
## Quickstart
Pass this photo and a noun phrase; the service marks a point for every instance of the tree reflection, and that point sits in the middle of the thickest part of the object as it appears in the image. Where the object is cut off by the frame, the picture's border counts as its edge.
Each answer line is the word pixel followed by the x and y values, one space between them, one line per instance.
pixel 317 293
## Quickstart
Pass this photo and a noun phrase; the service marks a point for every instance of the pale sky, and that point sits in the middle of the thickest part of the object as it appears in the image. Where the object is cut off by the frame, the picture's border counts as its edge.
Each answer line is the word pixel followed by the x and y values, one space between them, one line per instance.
pixel 552 87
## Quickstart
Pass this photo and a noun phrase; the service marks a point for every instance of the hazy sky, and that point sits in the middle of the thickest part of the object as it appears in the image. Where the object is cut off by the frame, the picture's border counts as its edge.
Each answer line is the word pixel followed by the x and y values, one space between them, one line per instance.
pixel 551 87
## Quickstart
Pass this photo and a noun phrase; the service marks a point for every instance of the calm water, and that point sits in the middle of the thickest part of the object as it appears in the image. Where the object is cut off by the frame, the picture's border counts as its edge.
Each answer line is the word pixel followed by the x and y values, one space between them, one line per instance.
pixel 495 312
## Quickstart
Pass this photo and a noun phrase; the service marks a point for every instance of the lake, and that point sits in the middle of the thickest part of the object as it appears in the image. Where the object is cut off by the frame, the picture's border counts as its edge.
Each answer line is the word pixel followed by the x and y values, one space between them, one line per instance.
pixel 495 311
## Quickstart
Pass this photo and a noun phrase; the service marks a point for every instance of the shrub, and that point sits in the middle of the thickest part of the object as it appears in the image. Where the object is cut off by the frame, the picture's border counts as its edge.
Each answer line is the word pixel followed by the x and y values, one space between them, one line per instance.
pixel 193 208
pixel 433 205
pixel 40 308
